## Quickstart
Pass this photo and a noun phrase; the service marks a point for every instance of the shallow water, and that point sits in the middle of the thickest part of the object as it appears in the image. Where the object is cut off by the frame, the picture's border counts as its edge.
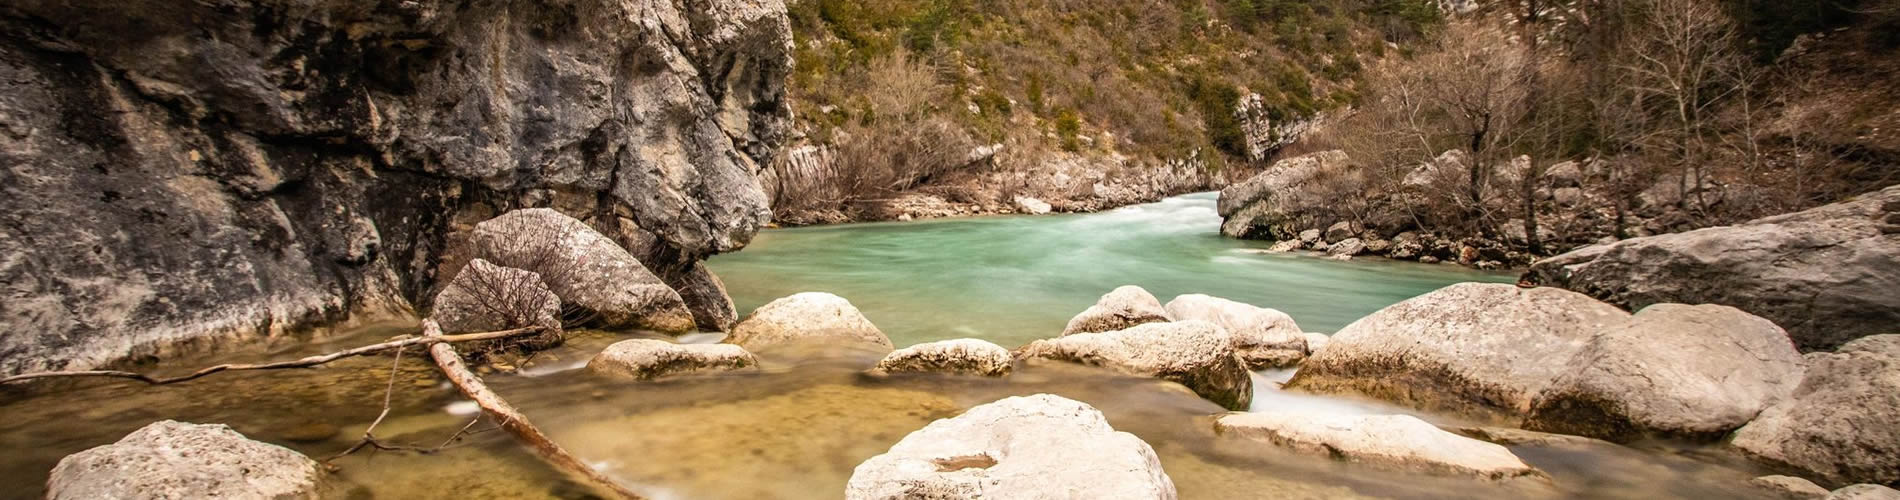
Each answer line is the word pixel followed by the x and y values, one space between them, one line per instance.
pixel 796 428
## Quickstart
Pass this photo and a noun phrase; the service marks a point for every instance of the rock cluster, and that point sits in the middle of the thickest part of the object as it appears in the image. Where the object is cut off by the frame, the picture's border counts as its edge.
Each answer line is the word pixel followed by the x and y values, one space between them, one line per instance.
pixel 1196 354
pixel 170 459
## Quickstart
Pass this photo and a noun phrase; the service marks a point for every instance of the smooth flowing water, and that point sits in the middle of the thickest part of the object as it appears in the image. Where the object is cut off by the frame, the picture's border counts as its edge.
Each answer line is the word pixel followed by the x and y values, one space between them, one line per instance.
pixel 796 428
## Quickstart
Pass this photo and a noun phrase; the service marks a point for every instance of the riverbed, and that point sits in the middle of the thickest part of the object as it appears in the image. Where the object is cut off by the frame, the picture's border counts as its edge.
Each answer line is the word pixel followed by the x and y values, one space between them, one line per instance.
pixel 796 428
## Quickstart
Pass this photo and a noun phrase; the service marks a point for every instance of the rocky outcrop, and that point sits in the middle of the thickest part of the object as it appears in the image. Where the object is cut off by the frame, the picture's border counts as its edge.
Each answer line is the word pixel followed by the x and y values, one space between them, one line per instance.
pixel 1826 275
pixel 1788 488
pixel 1394 441
pixel 1263 338
pixel 485 297
pixel 1039 446
pixel 1838 426
pixel 810 317
pixel 584 268
pixel 170 459
pixel 1121 308
pixel 1256 208
pixel 647 359
pixel 1695 372
pixel 1193 353
pixel 1466 348
pixel 186 172
pixel 1262 136
pixel 960 356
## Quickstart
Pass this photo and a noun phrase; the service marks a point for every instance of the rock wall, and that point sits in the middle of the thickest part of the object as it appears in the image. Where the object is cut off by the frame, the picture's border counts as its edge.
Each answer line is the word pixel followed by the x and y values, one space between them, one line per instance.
pixel 193 171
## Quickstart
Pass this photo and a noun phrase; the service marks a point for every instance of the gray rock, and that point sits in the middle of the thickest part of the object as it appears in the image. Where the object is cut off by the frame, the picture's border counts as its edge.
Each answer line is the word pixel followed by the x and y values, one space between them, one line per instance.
pixel 201 171
pixel 1031 206
pixel 1826 275
pixel 1407 246
pixel 1309 236
pixel 959 356
pixel 1479 349
pixel 1347 248
pixel 1394 441
pixel 1864 492
pixel 1263 338
pixel 1568 197
pixel 1039 446
pixel 170 459
pixel 1196 354
pixel 808 317
pixel 485 297
pixel 1256 208
pixel 705 295
pixel 1119 309
pixel 1788 487
pixel 1564 175
pixel 1839 424
pixel 647 359
pixel 1340 231
pixel 1695 372
pixel 1284 246
pixel 584 268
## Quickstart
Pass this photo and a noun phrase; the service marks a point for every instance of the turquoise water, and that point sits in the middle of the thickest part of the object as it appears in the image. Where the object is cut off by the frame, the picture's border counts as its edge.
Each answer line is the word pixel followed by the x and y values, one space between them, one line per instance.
pixel 1016 279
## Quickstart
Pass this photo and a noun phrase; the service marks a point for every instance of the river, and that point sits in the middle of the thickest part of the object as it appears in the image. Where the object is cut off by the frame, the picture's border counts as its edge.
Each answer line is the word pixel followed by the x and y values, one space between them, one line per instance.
pixel 796 428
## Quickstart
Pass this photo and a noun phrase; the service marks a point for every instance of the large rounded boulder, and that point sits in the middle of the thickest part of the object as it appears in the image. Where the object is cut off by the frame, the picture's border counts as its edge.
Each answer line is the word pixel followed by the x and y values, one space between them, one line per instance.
pixel 1197 354
pixel 1121 308
pixel 959 356
pixel 586 269
pixel 485 297
pixel 647 359
pixel 1840 425
pixel 1039 446
pixel 169 459
pixel 1263 338
pixel 1484 350
pixel 1673 370
pixel 810 317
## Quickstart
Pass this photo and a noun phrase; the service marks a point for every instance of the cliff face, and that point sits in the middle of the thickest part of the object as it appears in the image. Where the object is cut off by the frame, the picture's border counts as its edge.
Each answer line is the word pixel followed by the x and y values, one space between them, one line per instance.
pixel 192 171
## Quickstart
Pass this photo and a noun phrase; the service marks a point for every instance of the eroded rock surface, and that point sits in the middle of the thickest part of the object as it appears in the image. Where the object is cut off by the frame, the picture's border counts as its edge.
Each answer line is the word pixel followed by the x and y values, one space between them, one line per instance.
pixel 647 359
pixel 1263 338
pixel 201 170
pixel 1839 425
pixel 1039 446
pixel 808 317
pixel 959 356
pixel 1193 353
pixel 584 268
pixel 1826 275
pixel 1472 348
pixel 1395 441
pixel 170 459
pixel 1119 309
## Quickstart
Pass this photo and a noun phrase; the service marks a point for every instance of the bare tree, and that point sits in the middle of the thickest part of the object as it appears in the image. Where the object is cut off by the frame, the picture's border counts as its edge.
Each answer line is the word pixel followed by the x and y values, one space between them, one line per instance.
pixel 1682 61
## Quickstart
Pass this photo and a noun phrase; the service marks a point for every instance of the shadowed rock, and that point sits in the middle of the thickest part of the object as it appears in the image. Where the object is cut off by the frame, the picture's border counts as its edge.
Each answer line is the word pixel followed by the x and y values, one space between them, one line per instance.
pixel 1193 353
pixel 1840 424
pixel 170 459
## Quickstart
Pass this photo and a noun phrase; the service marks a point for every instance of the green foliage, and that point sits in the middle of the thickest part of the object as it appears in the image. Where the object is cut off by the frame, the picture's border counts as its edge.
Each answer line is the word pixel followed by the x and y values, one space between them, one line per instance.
pixel 1215 100
pixel 1069 129
pixel 993 103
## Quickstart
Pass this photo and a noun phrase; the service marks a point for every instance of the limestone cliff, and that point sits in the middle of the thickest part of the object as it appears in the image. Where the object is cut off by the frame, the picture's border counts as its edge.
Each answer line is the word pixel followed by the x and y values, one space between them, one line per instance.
pixel 192 171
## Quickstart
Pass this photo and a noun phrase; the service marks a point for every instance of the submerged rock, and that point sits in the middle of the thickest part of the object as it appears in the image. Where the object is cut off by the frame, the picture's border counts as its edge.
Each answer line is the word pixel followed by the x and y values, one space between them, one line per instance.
pixel 1473 348
pixel 1193 353
pixel 1673 370
pixel 1789 487
pixel 960 356
pixel 647 359
pixel 1395 441
pixel 1263 338
pixel 1840 424
pixel 485 297
pixel 1119 309
pixel 808 317
pixel 584 268
pixel 1039 446
pixel 1826 275
pixel 169 459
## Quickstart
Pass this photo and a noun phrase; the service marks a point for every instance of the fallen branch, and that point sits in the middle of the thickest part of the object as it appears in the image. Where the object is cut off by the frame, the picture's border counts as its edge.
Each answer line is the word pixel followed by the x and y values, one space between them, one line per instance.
pixel 512 420
pixel 369 433
pixel 280 365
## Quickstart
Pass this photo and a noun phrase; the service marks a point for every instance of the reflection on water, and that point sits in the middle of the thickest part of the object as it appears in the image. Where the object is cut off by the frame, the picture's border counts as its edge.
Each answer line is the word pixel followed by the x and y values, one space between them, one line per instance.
pixel 797 427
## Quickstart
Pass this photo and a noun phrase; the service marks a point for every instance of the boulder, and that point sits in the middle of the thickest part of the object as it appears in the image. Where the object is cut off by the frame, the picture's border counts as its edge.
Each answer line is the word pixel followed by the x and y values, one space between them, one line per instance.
pixel 1197 354
pixel 1121 308
pixel 1039 446
pixel 1564 175
pixel 1826 275
pixel 1031 206
pixel 485 297
pixel 808 317
pixel 1309 236
pixel 1347 248
pixel 169 459
pixel 1479 349
pixel 1263 338
pixel 1788 488
pixel 1695 372
pixel 1839 424
pixel 1394 441
pixel 647 359
pixel 586 269
pixel 1259 206
pixel 705 295
pixel 1568 197
pixel 960 356
pixel 1340 231
pixel 1864 492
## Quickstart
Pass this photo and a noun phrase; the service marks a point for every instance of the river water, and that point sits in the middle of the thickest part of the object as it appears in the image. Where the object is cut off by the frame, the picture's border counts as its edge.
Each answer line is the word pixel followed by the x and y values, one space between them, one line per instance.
pixel 796 428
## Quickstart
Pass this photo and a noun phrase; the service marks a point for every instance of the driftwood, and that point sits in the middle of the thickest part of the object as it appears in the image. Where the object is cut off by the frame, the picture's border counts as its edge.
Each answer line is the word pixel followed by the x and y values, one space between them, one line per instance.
pixel 280 365
pixel 512 420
